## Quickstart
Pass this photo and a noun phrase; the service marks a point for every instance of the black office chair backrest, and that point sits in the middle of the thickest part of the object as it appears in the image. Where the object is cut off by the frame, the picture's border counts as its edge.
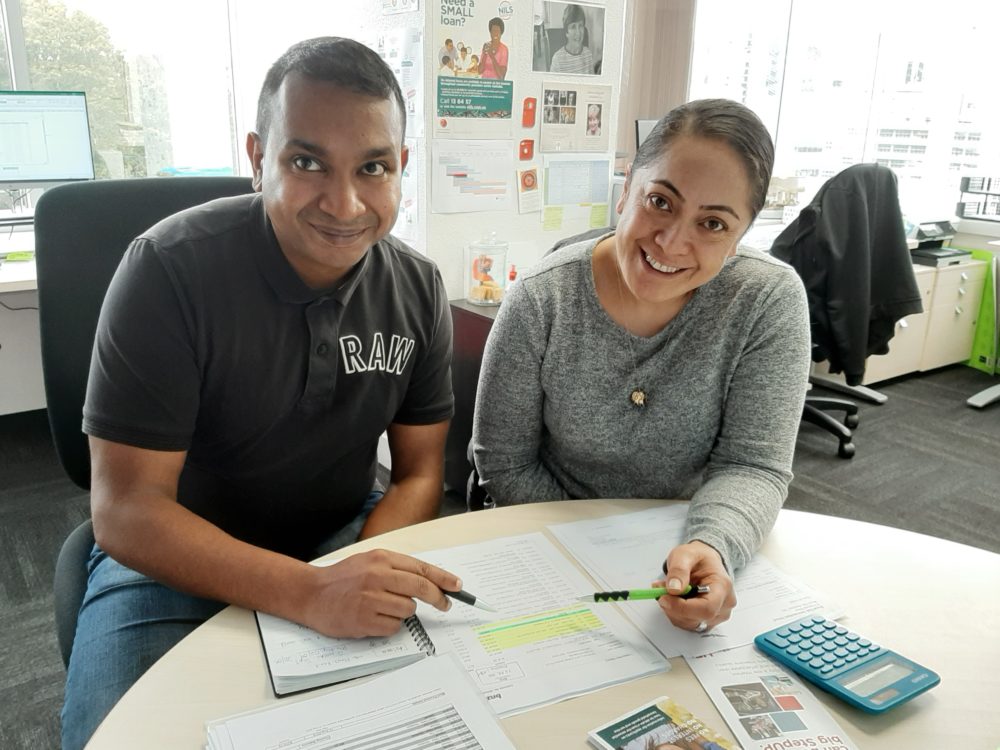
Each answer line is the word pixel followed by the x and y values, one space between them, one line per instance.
pixel 81 233
pixel 849 247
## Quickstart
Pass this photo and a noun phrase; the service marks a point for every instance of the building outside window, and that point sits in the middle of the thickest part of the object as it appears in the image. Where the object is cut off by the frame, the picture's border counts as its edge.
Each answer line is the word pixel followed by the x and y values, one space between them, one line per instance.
pixel 887 85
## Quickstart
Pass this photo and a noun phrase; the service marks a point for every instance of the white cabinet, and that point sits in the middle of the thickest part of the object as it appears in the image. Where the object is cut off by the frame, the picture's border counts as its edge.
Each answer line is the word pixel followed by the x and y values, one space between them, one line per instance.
pixel 958 290
pixel 941 335
pixel 21 387
pixel 906 347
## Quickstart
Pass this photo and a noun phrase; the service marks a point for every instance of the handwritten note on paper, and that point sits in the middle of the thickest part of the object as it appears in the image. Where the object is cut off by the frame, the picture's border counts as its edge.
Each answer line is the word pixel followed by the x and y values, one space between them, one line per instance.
pixel 626 550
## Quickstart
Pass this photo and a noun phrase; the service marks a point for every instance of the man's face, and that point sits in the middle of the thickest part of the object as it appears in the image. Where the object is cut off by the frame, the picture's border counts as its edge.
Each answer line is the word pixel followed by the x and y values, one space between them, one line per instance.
pixel 329 173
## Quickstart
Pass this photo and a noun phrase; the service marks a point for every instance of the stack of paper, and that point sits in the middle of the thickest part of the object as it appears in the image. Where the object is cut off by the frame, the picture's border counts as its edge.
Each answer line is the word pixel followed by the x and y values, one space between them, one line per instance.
pixel 425 706
pixel 543 645
pixel 621 550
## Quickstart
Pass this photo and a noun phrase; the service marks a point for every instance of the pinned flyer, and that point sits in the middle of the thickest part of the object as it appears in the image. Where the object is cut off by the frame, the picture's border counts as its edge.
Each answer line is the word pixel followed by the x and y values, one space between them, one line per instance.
pixel 529 194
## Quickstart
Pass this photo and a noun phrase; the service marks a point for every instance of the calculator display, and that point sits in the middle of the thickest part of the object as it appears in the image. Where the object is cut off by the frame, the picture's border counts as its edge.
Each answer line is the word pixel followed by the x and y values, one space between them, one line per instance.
pixel 875 676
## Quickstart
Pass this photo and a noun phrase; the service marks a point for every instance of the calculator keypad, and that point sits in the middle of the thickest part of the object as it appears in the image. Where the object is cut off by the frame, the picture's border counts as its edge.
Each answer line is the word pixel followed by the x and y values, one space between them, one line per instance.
pixel 823 646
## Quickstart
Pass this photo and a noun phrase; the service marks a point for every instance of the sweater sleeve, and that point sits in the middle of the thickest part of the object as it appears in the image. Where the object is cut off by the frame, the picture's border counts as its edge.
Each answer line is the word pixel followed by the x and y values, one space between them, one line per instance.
pixel 508 423
pixel 749 469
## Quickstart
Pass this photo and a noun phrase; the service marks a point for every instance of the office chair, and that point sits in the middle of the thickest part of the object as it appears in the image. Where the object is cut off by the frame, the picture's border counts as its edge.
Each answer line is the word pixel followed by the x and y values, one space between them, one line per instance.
pixel 849 247
pixel 81 232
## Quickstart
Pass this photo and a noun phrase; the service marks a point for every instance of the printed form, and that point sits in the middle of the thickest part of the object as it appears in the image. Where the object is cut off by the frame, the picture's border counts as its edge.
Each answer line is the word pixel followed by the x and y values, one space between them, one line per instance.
pixel 627 550
pixel 542 646
pixel 426 705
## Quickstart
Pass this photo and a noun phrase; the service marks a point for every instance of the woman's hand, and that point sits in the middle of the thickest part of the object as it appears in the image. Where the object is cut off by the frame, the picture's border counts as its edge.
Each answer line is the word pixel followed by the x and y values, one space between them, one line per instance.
pixel 697 564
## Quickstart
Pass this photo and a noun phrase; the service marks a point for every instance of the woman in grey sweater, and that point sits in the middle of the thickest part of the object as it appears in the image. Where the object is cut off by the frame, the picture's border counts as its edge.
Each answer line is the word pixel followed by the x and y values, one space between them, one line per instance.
pixel 657 361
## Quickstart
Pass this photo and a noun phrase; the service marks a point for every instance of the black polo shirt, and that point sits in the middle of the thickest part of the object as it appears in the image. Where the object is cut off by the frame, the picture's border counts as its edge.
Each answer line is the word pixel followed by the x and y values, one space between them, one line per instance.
pixel 210 342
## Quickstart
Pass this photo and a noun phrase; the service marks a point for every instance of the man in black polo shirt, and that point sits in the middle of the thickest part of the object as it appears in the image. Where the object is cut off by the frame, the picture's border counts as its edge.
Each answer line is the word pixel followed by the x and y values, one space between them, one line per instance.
pixel 250 353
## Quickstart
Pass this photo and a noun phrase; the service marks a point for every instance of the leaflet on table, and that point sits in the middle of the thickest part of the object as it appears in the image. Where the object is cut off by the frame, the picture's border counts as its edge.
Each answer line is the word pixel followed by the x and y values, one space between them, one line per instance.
pixel 659 723
pixel 543 645
pixel 431 699
pixel 627 550
pixel 767 707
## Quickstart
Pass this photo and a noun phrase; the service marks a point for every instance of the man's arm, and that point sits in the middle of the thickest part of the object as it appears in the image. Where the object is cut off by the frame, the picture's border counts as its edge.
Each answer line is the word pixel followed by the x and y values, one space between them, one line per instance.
pixel 138 521
pixel 414 493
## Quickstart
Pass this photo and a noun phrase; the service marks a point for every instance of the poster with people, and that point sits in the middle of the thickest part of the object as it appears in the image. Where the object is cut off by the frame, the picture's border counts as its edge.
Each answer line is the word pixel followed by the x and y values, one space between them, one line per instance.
pixel 568 39
pixel 575 117
pixel 474 86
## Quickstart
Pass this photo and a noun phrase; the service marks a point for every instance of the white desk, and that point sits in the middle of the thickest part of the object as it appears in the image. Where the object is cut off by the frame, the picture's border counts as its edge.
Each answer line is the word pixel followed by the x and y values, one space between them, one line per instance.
pixel 21 387
pixel 885 578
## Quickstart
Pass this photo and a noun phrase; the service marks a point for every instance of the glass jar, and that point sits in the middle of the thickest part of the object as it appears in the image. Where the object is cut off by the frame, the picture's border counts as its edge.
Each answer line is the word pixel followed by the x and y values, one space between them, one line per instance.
pixel 486 270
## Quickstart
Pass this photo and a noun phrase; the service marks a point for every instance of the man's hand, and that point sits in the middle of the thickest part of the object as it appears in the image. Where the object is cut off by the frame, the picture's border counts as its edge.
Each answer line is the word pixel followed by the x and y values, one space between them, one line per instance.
pixel 371 593
pixel 697 564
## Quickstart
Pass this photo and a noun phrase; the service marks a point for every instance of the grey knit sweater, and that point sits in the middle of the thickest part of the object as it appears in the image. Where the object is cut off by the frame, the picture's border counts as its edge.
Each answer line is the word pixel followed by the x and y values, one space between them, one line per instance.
pixel 725 381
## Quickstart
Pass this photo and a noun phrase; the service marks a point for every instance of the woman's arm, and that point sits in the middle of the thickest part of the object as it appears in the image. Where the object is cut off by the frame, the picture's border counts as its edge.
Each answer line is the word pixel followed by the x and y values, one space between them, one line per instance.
pixel 508 424
pixel 750 466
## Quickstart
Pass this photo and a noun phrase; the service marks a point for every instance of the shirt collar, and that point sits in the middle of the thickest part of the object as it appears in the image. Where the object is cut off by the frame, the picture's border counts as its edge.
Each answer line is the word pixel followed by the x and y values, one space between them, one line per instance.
pixel 282 277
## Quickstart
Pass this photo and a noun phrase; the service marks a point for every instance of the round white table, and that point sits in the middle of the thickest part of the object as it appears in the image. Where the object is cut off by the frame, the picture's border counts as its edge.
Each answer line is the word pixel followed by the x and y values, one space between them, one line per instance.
pixel 934 601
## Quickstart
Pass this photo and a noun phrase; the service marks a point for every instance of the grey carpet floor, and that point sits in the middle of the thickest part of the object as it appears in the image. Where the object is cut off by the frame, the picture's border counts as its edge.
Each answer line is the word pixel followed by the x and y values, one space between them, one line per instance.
pixel 925 462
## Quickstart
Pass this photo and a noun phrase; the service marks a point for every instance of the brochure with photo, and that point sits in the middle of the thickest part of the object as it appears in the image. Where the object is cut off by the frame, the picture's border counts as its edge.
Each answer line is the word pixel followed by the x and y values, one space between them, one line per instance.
pixel 661 723
pixel 766 707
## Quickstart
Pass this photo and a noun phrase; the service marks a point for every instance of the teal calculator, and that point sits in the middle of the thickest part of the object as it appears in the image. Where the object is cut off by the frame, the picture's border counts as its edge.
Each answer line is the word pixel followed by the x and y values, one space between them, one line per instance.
pixel 842 662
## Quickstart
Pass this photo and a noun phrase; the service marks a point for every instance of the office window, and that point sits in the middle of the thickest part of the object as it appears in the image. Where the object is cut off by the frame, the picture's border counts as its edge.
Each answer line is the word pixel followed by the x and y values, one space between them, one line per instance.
pixel 845 84
pixel 5 81
pixel 157 79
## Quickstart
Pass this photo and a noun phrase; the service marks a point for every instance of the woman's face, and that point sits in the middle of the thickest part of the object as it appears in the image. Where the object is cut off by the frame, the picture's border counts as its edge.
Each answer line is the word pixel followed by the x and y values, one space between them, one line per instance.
pixel 574 37
pixel 682 215
pixel 495 32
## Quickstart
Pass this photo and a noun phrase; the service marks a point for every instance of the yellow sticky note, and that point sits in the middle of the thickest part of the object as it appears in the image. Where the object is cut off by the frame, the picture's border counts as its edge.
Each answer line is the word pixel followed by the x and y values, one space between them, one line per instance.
pixel 598 215
pixel 552 218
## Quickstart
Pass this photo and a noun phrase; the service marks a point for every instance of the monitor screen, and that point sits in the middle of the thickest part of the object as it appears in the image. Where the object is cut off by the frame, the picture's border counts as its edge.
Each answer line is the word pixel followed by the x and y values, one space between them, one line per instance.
pixel 642 128
pixel 44 138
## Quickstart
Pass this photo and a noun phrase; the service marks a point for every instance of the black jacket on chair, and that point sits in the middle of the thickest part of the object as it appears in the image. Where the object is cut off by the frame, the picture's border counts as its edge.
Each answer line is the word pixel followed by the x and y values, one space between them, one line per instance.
pixel 849 247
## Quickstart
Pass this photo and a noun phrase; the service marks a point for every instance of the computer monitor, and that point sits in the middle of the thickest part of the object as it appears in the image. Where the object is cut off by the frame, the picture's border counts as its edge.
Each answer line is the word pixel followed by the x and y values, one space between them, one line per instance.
pixel 44 139
pixel 642 129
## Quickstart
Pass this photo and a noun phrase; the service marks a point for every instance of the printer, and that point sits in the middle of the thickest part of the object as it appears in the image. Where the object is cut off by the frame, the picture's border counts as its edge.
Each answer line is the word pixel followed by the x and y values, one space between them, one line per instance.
pixel 926 242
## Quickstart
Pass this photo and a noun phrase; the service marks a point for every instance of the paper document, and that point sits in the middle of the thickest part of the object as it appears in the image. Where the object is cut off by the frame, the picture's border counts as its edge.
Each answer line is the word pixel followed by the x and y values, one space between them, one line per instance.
pixel 628 550
pixel 542 646
pixel 430 704
pixel 766 706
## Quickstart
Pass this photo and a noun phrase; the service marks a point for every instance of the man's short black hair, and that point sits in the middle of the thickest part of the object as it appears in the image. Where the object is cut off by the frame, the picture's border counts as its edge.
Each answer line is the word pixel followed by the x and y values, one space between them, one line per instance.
pixel 333 59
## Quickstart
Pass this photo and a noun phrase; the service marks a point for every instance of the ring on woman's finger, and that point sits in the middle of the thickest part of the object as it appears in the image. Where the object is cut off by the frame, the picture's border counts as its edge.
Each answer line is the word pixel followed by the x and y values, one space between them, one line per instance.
pixel 702 627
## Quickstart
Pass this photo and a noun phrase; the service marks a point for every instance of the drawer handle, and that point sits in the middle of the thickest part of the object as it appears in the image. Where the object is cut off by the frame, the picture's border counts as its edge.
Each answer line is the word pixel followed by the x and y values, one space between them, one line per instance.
pixel 958 309
pixel 964 276
pixel 903 324
pixel 961 291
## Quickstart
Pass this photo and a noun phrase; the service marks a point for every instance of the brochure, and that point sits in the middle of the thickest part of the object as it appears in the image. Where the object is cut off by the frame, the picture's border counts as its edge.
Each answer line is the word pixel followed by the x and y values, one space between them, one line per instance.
pixel 767 707
pixel 661 723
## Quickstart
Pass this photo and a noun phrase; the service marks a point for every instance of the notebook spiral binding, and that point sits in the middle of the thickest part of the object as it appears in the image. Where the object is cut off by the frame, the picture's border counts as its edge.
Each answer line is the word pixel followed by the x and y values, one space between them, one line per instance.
pixel 420 636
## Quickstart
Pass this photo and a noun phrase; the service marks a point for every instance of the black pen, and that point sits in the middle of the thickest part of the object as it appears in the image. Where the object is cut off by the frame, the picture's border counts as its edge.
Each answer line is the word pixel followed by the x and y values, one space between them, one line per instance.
pixel 471 599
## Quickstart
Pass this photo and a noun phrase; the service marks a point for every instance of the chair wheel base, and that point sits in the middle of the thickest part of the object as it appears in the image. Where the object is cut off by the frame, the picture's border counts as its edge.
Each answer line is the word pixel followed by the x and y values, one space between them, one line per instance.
pixel 851 421
pixel 846 450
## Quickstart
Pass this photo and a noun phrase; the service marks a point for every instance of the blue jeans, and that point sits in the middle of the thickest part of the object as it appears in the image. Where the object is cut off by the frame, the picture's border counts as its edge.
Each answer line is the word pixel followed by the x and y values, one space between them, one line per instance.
pixel 127 621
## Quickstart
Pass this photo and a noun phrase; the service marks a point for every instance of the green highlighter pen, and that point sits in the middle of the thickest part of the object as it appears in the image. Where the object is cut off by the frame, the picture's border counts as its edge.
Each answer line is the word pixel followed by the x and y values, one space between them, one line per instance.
pixel 634 594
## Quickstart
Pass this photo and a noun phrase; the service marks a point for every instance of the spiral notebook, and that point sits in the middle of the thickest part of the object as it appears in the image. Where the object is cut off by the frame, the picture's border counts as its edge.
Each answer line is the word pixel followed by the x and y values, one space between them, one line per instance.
pixel 301 659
